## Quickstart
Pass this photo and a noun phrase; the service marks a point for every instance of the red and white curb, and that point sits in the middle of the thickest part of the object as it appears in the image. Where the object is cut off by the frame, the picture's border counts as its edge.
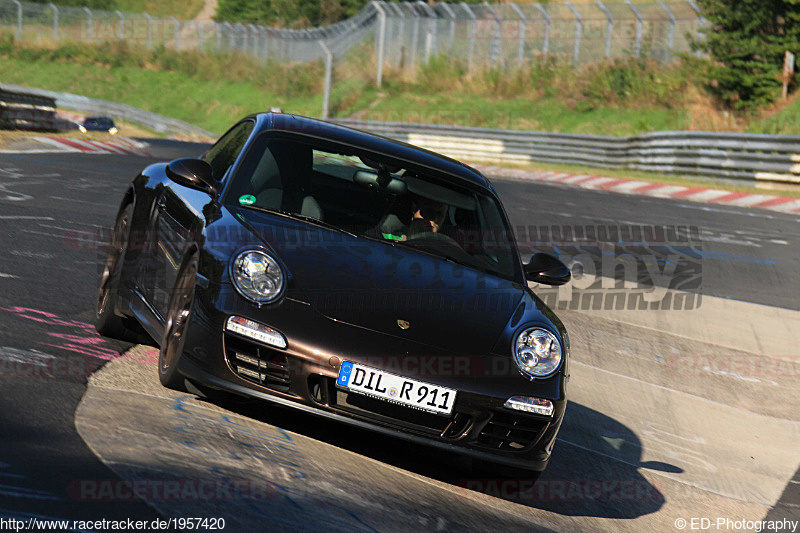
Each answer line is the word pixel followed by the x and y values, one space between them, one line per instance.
pixel 117 146
pixel 646 188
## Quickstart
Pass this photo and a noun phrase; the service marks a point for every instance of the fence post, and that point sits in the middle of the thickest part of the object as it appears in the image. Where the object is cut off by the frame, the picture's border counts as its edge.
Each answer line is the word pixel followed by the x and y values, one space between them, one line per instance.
pixel 19 20
pixel 430 36
pixel 89 27
pixel 229 29
pixel 120 25
pixel 546 15
pixel 521 45
pixel 496 48
pixel 453 17
pixel 326 98
pixel 149 30
pixel 576 53
pixel 55 20
pixel 414 36
pixel 199 35
pixel 253 38
pixel 639 24
pixel 381 42
pixel 177 37
pixel 609 26
pixel 240 29
pixel 671 35
pixel 701 23
pixel 471 34
pixel 401 34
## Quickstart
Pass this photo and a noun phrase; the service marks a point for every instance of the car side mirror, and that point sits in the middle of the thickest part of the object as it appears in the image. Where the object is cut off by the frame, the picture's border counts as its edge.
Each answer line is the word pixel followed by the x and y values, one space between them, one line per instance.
pixel 546 269
pixel 194 173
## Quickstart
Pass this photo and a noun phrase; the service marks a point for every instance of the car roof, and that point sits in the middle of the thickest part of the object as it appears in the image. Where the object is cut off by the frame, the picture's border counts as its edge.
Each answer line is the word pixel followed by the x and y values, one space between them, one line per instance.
pixel 297 124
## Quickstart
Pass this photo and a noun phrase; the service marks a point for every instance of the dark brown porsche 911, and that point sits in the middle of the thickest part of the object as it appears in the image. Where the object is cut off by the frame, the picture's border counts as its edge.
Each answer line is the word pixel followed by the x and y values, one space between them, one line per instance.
pixel 346 275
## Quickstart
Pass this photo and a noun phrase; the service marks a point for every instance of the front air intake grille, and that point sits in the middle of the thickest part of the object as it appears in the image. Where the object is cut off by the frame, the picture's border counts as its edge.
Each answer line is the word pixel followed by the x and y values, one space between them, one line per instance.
pixel 511 432
pixel 390 413
pixel 266 366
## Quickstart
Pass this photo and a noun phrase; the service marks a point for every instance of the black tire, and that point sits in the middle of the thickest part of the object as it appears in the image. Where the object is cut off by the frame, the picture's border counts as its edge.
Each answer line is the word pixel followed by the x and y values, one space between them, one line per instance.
pixel 106 321
pixel 179 314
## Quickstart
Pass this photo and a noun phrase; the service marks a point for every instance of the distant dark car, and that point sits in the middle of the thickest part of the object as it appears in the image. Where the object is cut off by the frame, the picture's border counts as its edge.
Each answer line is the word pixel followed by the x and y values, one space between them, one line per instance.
pixel 345 275
pixel 98 124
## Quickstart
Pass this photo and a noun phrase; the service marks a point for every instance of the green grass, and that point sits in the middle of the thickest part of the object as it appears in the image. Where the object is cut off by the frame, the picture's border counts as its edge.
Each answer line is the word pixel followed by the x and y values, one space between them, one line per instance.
pixel 180 9
pixel 208 104
pixel 545 114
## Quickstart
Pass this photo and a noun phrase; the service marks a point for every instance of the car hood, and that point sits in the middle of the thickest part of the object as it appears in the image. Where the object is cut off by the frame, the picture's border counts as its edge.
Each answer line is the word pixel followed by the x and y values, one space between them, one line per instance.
pixel 391 289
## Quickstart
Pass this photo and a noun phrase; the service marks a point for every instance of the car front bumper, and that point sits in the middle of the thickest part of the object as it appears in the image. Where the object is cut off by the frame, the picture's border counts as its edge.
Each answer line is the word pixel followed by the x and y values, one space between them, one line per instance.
pixel 303 376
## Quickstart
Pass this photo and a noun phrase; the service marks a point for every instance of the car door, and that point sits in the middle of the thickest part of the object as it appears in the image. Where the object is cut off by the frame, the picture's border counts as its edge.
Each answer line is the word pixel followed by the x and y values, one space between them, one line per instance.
pixel 179 212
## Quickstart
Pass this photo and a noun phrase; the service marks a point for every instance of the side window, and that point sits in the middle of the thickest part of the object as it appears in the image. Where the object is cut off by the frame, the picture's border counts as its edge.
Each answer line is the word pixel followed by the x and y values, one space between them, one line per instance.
pixel 222 155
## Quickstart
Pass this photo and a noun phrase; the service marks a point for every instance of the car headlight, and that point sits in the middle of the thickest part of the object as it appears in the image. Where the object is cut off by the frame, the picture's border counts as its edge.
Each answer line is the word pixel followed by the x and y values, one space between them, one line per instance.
pixel 537 353
pixel 257 276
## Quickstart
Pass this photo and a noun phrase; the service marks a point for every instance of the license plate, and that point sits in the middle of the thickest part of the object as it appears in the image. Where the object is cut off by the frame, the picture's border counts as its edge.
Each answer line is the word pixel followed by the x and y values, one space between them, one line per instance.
pixel 396 389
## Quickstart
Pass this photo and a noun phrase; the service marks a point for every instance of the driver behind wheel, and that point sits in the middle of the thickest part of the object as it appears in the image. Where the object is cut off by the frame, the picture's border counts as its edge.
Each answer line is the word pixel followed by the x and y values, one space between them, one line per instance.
pixel 426 216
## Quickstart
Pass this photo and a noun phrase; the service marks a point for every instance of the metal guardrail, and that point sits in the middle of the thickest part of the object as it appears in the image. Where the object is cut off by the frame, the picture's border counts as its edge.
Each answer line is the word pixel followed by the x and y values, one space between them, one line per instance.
pixel 114 110
pixel 25 111
pixel 724 155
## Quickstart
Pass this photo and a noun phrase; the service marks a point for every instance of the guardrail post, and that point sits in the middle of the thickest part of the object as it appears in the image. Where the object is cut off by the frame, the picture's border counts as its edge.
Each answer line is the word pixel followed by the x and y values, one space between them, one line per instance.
pixel 177 37
pixel 471 34
pixel 326 98
pixel 671 34
pixel 609 26
pixel 639 25
pixel 546 43
pixel 496 48
pixel 576 53
pixel 381 42
pixel 89 24
pixel 55 20
pixel 19 20
pixel 149 30
pixel 521 45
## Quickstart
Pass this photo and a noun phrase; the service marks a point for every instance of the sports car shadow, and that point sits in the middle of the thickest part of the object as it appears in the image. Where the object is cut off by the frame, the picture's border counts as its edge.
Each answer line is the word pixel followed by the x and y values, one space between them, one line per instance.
pixel 594 470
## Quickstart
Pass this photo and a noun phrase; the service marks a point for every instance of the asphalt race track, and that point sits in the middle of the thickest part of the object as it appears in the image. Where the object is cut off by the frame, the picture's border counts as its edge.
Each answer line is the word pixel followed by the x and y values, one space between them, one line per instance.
pixel 677 412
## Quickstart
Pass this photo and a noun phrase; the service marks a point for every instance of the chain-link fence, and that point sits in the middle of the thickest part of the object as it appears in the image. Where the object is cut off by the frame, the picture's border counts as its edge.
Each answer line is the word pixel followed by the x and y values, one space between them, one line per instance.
pixel 405 33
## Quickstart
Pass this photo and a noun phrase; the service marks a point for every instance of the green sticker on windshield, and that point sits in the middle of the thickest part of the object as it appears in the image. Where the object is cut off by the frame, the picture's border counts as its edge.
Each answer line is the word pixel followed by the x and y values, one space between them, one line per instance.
pixel 247 199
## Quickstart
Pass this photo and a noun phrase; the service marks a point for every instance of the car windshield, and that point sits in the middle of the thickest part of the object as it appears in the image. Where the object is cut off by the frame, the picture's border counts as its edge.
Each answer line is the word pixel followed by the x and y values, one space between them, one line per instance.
pixel 375 197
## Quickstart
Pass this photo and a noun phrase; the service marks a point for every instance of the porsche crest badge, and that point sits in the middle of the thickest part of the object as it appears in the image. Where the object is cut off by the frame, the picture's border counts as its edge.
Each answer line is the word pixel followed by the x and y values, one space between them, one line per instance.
pixel 404 324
